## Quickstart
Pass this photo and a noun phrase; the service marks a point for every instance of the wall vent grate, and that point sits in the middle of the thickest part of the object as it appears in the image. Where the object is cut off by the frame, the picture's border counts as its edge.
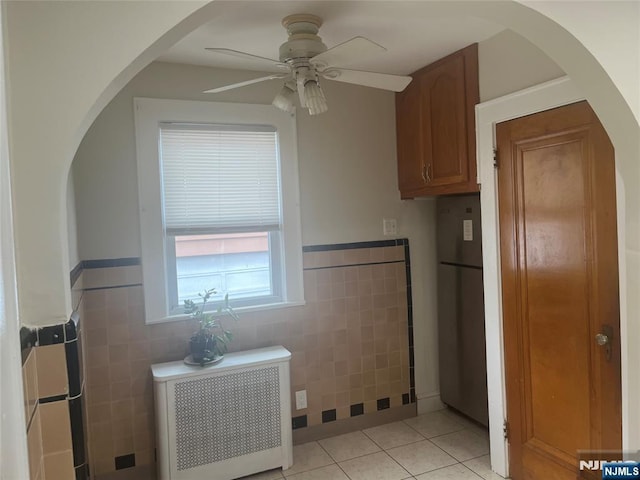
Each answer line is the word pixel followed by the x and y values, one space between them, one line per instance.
pixel 223 417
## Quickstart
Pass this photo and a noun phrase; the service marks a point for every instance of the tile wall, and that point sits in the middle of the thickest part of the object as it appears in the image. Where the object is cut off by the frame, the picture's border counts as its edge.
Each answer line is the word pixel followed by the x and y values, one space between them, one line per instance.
pixel 53 382
pixel 351 344
pixel 31 407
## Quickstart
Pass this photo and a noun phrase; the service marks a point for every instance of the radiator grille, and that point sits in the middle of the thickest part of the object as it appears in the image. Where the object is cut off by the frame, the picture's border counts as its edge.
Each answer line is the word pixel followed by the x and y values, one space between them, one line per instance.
pixel 226 416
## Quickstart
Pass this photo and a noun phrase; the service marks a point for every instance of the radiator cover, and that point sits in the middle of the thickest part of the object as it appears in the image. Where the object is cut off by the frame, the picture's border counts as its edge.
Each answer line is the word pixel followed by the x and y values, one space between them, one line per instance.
pixel 227 420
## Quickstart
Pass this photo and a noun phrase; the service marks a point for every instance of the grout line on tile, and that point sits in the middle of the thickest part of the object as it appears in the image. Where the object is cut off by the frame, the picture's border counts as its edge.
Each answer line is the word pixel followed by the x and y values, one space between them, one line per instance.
pixel 457 431
pixel 405 422
pixel 304 471
pixel 327 451
pixel 449 466
pixel 475 473
pixel 447 453
pixel 475 458
pixel 358 456
pixel 377 444
pixel 403 445
pixel 386 452
pixel 399 464
pixel 375 453
pixel 382 450
pixel 353 265
pixel 317 468
pixel 342 469
pixel 462 427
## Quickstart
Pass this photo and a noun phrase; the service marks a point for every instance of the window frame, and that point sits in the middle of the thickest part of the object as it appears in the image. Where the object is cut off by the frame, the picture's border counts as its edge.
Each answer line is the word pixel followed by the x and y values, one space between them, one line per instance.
pixel 149 113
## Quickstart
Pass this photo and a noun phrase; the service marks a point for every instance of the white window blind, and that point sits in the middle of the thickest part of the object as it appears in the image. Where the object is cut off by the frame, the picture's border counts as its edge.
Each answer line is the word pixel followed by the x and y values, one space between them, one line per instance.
pixel 219 178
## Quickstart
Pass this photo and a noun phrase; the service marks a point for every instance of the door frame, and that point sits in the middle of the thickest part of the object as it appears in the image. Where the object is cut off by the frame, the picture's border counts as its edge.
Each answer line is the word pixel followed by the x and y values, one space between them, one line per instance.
pixel 545 96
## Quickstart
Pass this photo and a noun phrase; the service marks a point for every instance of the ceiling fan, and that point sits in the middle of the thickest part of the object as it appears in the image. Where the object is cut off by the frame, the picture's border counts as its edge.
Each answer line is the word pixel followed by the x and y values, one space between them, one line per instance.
pixel 304 59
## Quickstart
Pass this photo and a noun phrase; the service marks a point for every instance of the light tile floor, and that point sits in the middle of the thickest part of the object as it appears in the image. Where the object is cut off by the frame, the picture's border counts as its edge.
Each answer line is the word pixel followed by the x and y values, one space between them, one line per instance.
pixel 436 446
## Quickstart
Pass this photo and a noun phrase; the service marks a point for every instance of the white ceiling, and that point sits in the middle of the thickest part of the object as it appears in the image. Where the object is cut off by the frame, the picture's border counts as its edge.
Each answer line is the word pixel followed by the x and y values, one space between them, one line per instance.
pixel 414 33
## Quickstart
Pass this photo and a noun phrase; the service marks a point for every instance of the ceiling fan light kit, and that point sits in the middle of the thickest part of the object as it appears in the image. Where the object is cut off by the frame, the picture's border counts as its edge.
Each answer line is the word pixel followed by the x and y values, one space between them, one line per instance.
pixel 284 98
pixel 314 98
pixel 308 59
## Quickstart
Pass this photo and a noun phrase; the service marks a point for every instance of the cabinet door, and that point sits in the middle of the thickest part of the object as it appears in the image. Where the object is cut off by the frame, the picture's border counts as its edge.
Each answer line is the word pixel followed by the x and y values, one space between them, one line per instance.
pixel 411 169
pixel 435 122
pixel 444 123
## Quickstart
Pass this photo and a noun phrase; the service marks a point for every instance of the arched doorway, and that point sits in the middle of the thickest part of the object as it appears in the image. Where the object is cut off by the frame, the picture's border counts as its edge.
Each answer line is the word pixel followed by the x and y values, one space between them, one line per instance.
pixel 40 273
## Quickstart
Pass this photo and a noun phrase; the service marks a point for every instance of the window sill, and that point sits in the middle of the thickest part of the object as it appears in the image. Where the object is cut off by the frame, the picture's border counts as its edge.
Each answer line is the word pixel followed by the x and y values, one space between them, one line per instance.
pixel 240 310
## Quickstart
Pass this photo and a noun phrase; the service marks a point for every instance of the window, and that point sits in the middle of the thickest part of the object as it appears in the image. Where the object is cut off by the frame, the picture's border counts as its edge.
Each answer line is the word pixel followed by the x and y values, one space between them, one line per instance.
pixel 221 204
pixel 218 204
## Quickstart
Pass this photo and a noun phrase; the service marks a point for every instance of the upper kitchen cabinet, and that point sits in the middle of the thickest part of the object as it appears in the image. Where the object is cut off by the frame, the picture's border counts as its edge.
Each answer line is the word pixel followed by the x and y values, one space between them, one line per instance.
pixel 435 122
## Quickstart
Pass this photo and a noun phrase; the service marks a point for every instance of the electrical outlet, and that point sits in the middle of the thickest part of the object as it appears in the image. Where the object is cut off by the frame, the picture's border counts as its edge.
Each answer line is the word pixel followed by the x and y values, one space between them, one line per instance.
pixel 301 400
pixel 389 226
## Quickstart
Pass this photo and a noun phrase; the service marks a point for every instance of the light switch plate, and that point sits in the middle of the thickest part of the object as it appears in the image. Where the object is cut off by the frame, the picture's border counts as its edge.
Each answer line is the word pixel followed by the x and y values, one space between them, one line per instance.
pixel 467 230
pixel 389 226
pixel 301 399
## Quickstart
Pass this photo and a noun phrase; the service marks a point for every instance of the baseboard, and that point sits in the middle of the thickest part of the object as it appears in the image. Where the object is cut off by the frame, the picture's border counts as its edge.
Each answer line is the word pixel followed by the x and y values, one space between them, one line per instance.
pixel 430 403
pixel 352 424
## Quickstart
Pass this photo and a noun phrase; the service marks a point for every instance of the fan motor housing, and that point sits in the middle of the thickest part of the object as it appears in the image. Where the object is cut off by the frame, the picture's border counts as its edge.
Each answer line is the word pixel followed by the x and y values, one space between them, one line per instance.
pixel 303 39
pixel 301 48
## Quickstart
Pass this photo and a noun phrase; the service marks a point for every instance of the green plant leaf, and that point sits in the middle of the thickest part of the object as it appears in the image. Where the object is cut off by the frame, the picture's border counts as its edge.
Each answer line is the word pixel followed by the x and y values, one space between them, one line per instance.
pixel 210 323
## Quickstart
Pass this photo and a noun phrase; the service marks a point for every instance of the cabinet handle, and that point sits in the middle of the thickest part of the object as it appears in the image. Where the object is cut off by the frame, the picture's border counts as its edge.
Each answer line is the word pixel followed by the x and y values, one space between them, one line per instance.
pixel 428 174
pixel 424 173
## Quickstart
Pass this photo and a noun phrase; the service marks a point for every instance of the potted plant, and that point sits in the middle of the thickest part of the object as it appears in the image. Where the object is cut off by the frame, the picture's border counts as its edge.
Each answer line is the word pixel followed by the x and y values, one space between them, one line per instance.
pixel 210 341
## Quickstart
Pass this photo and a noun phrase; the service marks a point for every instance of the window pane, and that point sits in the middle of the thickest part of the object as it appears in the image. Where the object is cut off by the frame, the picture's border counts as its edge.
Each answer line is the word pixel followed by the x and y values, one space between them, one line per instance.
pixel 237 264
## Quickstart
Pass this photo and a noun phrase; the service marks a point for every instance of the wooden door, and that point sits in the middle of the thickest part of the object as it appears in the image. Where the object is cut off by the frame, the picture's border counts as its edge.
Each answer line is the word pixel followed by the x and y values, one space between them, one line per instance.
pixel 558 246
pixel 411 171
pixel 445 123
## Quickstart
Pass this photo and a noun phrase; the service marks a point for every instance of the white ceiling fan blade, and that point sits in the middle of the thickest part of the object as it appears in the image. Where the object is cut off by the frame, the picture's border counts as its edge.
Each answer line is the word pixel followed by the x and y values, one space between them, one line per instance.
pixel 355 49
pixel 395 83
pixel 267 62
pixel 245 83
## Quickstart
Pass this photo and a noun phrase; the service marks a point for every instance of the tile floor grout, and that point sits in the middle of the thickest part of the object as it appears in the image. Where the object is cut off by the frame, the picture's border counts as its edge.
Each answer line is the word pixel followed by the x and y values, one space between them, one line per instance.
pixel 444 420
pixel 381 450
pixel 405 444
pixel 459 463
pixel 334 461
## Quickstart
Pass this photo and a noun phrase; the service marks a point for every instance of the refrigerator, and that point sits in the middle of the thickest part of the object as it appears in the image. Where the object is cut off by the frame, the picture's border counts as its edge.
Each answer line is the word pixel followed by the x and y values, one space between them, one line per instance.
pixel 461 335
